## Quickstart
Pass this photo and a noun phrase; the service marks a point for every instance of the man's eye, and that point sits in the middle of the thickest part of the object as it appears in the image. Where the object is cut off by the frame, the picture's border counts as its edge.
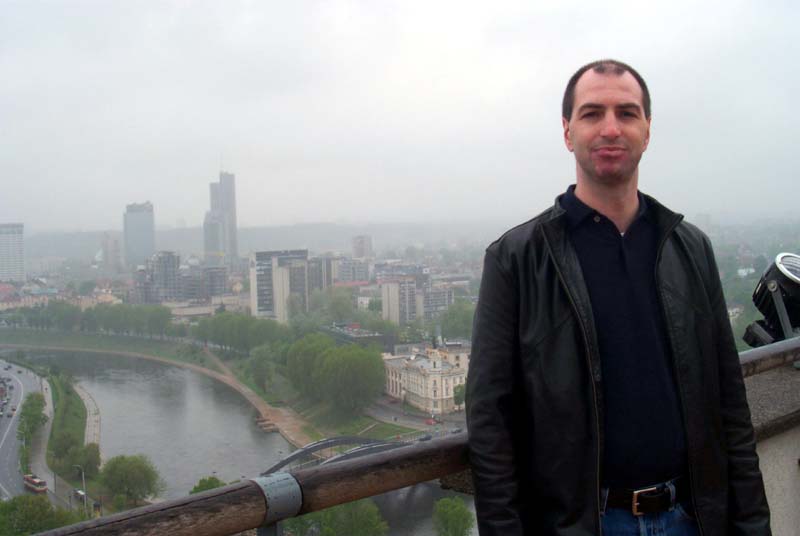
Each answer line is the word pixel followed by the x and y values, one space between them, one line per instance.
pixel 589 115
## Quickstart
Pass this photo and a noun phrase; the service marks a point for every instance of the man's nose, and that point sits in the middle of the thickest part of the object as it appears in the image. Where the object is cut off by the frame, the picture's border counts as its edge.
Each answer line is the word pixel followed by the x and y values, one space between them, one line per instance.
pixel 610 127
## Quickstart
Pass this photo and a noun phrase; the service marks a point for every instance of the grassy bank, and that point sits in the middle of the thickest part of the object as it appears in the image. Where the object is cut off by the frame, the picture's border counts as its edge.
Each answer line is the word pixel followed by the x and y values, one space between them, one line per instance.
pixel 321 420
pixel 69 415
pixel 327 423
pixel 171 350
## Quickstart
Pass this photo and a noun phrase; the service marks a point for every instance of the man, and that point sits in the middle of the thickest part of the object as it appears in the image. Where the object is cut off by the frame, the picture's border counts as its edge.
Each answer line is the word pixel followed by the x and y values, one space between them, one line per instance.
pixel 605 393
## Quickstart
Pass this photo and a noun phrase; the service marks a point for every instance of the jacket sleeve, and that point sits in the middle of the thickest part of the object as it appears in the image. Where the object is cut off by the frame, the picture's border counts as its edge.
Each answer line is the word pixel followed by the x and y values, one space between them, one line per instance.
pixel 748 512
pixel 489 407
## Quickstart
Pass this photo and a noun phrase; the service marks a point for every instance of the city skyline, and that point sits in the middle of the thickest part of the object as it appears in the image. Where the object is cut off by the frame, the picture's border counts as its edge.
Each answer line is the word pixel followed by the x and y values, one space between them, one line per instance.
pixel 451 113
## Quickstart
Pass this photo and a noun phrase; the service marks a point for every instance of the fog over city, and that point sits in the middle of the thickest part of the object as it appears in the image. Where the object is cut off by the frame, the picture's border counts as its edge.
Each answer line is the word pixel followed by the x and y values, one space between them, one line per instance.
pixel 378 111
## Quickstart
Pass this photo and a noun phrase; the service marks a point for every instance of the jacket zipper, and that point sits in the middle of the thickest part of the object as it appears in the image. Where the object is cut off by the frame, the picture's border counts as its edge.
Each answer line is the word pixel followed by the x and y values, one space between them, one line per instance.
pixel 591 375
pixel 675 364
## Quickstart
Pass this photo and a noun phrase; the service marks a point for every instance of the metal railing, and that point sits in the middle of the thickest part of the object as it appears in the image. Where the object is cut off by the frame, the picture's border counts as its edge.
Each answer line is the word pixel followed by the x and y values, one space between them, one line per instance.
pixel 266 500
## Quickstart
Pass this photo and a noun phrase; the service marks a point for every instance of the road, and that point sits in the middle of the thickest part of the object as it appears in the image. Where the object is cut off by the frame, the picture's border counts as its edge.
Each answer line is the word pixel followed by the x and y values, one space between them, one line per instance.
pixel 384 409
pixel 24 382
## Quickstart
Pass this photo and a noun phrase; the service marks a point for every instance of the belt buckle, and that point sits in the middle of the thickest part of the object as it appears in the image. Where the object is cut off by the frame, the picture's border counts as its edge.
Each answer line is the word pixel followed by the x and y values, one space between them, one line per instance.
pixel 635 499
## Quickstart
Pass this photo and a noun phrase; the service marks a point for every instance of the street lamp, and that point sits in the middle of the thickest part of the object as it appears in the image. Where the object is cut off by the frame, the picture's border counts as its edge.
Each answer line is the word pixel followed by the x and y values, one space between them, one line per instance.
pixel 83 481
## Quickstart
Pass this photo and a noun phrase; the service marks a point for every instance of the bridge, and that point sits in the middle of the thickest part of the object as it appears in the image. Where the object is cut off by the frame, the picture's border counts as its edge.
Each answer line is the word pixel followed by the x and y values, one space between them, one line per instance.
pixel 267 499
pixel 322 444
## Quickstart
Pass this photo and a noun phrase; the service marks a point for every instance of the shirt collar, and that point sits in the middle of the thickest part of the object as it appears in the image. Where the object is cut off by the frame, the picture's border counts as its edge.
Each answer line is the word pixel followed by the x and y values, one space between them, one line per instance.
pixel 577 211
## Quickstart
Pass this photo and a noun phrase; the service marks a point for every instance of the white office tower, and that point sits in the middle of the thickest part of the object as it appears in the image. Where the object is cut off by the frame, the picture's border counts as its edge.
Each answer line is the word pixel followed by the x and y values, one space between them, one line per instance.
pixel 12 252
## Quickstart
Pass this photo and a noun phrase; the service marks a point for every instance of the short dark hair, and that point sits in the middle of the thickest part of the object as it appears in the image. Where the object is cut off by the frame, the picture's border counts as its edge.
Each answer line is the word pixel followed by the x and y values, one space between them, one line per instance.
pixel 603 66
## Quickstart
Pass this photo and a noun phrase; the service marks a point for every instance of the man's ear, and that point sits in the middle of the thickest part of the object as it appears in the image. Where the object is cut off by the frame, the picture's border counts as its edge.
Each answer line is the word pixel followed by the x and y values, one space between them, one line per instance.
pixel 567 141
pixel 647 135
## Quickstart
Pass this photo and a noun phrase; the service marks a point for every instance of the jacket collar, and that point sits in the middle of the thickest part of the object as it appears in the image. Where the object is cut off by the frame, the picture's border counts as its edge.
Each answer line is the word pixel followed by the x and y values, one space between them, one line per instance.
pixel 663 217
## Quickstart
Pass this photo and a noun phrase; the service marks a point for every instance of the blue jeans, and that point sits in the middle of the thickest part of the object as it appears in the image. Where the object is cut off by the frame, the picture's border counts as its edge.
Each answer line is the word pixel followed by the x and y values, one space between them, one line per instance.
pixel 618 522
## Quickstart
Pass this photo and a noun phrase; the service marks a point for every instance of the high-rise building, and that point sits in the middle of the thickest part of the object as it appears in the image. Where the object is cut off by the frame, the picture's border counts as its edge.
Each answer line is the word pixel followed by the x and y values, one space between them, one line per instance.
pixel 432 301
pixel 351 270
pixel 321 272
pixel 200 283
pixel 362 247
pixel 164 268
pixel 143 290
pixel 219 227
pixel 214 239
pixel 140 234
pixel 12 252
pixel 278 282
pixel 398 300
pixel 111 258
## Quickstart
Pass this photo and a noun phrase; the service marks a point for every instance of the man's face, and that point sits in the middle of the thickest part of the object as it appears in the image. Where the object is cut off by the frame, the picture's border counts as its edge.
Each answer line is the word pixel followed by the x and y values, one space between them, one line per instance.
pixel 608 131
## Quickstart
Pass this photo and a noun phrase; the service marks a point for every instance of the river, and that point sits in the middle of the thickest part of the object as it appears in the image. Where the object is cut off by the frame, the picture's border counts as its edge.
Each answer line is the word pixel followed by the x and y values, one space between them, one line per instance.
pixel 191 426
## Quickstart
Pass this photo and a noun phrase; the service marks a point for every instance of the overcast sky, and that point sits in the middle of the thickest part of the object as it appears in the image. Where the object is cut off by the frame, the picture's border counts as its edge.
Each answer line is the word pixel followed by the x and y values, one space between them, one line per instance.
pixel 379 111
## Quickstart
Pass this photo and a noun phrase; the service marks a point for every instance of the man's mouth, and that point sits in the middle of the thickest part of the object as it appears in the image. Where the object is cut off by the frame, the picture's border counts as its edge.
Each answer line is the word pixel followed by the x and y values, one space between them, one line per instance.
pixel 609 151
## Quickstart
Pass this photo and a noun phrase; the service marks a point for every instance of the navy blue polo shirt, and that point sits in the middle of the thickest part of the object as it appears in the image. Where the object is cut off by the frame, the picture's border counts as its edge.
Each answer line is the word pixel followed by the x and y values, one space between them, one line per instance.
pixel 645 441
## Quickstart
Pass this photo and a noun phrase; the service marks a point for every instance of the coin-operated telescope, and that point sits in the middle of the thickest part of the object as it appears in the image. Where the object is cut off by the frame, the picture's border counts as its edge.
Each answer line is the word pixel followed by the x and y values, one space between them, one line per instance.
pixel 777 297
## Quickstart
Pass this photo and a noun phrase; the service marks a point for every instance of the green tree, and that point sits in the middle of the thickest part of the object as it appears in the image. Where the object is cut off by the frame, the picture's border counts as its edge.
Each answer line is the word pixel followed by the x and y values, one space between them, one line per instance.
pixel 360 518
pixel 29 514
pixel 351 377
pixel 340 307
pixel 303 358
pixel 135 477
pixel 207 483
pixel 375 305
pixel 457 320
pixel 87 457
pixel 459 392
pixel 62 444
pixel 31 415
pixel 451 517
pixel 86 288
pixel 260 365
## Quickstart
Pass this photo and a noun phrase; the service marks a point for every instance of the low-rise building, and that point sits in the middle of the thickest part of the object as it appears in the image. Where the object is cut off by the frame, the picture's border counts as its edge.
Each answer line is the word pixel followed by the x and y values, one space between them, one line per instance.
pixel 426 379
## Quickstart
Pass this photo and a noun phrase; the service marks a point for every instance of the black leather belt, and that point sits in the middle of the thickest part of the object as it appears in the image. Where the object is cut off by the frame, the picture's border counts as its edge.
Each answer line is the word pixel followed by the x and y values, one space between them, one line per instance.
pixel 649 500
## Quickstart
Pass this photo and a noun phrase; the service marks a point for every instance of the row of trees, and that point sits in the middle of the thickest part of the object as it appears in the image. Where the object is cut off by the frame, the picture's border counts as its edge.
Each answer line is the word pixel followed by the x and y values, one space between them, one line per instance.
pixel 120 319
pixel 350 377
pixel 240 333
pixel 31 418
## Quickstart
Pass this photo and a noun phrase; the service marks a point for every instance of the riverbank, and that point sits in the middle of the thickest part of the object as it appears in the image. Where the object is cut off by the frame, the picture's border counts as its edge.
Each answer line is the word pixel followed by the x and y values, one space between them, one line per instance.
pixel 92 429
pixel 289 423
pixel 297 428
pixel 172 351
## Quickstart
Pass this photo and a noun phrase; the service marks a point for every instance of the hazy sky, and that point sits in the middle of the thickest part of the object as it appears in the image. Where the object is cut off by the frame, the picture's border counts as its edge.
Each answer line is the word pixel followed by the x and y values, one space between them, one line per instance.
pixel 376 110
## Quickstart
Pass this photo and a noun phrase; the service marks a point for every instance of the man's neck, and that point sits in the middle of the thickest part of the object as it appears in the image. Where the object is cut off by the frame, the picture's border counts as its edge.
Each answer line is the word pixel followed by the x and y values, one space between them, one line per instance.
pixel 619 203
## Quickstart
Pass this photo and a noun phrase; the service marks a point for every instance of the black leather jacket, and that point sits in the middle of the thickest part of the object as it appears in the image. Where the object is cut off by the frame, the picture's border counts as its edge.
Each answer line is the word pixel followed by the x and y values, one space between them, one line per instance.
pixel 534 394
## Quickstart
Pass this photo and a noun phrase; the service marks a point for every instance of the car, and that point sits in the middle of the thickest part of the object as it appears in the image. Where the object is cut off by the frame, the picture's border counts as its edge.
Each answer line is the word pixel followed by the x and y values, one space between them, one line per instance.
pixel 456 431
pixel 79 493
pixel 19 371
pixel 9 415
pixel 426 437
